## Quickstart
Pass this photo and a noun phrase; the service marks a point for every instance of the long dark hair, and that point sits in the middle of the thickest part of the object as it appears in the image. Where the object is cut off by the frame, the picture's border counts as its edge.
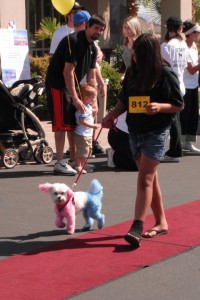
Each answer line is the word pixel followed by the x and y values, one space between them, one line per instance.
pixel 173 28
pixel 146 63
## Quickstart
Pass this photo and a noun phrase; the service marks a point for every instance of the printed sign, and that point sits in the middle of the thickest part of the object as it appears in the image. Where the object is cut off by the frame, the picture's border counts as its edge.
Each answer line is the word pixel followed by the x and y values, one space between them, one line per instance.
pixel 14 53
pixel 137 104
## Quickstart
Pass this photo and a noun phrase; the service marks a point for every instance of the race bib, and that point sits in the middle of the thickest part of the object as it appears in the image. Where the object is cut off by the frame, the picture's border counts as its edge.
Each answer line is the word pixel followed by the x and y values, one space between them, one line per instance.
pixel 137 104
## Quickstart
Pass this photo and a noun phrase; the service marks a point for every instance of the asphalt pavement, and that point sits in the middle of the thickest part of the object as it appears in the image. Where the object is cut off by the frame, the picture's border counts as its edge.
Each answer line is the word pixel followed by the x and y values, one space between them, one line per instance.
pixel 27 221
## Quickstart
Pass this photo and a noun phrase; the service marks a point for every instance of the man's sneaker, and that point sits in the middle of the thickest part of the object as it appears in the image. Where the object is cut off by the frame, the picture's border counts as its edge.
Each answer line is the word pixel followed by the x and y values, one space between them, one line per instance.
pixel 110 162
pixel 61 167
pixel 97 149
pixel 167 158
pixel 189 147
pixel 72 163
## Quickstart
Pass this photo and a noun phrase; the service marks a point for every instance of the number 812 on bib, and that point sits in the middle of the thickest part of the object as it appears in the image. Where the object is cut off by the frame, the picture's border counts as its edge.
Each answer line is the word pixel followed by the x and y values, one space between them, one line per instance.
pixel 137 104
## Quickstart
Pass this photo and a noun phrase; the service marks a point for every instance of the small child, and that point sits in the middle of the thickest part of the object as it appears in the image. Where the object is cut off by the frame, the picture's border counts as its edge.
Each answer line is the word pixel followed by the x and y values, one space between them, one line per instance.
pixel 85 126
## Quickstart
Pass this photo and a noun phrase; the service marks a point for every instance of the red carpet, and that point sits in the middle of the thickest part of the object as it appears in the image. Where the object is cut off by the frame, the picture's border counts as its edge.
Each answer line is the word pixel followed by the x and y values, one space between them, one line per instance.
pixel 80 263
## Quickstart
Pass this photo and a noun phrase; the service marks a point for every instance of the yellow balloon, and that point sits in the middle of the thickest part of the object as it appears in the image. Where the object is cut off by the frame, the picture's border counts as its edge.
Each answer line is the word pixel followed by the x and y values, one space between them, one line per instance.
pixel 63 6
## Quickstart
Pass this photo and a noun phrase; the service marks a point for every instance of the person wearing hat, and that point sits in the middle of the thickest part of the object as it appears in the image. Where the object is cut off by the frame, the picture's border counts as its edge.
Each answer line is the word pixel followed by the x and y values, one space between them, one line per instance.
pixel 174 50
pixel 190 115
pixel 80 20
pixel 66 29
pixel 74 58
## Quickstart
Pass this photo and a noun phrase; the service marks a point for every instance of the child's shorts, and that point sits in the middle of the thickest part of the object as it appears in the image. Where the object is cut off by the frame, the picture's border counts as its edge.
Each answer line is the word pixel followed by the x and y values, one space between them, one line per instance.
pixel 83 145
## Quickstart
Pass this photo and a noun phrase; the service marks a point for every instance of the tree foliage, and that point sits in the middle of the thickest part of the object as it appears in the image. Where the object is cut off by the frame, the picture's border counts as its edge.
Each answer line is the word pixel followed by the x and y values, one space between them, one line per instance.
pixel 47 27
pixel 196 10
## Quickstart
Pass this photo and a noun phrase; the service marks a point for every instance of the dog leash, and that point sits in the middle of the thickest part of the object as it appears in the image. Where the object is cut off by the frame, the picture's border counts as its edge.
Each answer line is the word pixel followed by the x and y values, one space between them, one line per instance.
pixel 85 162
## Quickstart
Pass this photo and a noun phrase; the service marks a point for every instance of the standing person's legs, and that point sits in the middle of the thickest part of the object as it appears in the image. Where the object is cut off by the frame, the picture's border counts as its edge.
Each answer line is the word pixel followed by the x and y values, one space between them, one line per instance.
pixel 147 171
pixel 175 147
pixel 61 122
pixel 83 150
pixel 148 150
pixel 157 207
pixel 70 136
pixel 59 144
pixel 184 114
pixel 189 118
pixel 194 115
pixel 146 176
pixel 96 147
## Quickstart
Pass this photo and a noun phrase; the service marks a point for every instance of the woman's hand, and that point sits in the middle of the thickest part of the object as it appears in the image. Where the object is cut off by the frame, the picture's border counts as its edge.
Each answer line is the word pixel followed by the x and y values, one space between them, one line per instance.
pixel 107 121
pixel 152 108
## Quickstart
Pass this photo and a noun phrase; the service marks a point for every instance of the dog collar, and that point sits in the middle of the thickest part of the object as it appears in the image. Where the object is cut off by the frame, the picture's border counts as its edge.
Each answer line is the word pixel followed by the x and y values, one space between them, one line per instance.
pixel 61 206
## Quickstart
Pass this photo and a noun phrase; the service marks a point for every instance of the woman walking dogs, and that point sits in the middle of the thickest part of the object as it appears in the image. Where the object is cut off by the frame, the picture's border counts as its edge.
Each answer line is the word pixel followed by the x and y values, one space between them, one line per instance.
pixel 151 97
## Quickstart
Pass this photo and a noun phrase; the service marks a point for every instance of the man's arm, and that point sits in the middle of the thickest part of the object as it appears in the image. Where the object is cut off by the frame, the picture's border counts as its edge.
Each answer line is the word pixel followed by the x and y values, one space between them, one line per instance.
pixel 100 81
pixel 70 85
pixel 91 76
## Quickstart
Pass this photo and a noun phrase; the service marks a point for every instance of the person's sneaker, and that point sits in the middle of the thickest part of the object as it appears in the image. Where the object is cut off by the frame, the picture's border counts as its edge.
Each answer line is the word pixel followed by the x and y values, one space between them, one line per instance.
pixel 61 167
pixel 167 158
pixel 72 163
pixel 97 149
pixel 110 162
pixel 78 169
pixel 189 147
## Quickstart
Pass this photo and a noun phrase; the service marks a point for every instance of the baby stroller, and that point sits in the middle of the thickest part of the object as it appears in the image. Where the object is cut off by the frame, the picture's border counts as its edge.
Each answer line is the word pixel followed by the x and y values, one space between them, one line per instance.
pixel 21 133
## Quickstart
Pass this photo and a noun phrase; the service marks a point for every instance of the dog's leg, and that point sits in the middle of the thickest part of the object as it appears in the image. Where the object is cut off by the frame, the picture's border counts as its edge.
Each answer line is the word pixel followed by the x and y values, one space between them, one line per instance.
pixel 88 221
pixel 59 222
pixel 71 218
pixel 101 221
pixel 99 217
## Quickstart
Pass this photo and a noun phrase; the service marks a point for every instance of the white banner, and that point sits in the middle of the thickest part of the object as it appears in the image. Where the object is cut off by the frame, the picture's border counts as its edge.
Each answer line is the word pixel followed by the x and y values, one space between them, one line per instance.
pixel 14 53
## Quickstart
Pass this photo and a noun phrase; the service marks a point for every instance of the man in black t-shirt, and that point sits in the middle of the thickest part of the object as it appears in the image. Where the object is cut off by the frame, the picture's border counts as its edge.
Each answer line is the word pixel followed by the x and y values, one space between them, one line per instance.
pixel 74 58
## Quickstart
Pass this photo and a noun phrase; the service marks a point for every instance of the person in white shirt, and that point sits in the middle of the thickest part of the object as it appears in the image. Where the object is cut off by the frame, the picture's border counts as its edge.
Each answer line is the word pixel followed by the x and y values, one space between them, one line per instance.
pixel 66 29
pixel 190 115
pixel 175 51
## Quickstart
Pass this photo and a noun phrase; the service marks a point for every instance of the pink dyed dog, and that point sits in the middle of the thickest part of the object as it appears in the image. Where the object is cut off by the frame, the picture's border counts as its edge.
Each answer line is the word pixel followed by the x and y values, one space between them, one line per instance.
pixel 62 196
pixel 68 204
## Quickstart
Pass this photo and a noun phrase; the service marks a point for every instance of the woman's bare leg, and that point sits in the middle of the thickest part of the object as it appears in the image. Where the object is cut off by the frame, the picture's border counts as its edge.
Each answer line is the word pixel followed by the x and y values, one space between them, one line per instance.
pixel 158 210
pixel 145 187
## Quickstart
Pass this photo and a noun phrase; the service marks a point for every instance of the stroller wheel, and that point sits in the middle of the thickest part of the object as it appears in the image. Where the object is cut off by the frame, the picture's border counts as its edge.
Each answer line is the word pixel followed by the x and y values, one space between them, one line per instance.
pixel 26 154
pixel 46 154
pixel 37 154
pixel 10 158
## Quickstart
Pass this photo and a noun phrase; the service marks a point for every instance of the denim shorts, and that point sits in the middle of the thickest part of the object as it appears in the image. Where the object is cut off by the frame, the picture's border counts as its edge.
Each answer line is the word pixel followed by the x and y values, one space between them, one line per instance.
pixel 151 144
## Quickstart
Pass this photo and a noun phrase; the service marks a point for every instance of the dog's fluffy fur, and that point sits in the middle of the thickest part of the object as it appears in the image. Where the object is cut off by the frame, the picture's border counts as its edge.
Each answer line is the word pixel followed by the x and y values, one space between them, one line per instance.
pixel 68 204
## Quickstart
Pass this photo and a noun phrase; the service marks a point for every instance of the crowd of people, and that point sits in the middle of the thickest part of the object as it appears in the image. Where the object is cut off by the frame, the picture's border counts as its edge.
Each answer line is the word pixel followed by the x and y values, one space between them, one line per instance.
pixel 155 103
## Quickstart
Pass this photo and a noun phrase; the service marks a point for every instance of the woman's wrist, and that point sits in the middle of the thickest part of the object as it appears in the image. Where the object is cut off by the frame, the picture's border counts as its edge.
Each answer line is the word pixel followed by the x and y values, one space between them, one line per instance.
pixel 112 115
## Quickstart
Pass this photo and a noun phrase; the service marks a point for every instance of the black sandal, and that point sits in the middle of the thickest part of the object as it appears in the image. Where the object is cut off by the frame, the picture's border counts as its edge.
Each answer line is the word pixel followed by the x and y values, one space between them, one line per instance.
pixel 133 237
